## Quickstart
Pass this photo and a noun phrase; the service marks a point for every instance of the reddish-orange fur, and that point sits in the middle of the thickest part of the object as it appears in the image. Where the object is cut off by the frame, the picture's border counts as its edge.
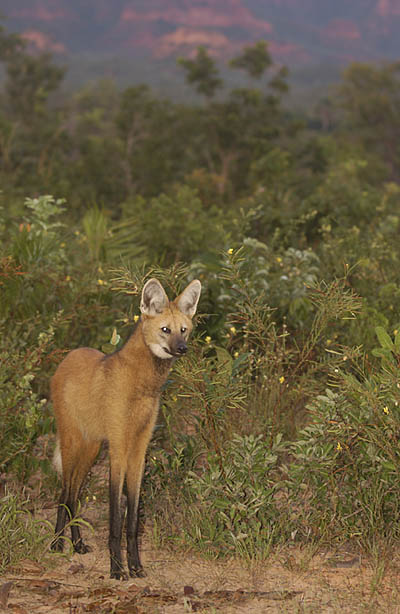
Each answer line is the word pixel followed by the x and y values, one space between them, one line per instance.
pixel 115 397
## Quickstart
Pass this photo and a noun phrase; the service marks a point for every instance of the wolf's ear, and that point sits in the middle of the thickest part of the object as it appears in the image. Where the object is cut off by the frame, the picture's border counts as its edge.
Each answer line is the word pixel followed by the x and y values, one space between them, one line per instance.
pixel 188 299
pixel 154 300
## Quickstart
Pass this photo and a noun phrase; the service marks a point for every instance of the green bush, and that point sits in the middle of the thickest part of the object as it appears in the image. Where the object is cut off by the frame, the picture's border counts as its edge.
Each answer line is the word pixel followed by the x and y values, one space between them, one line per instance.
pixel 225 411
pixel 23 411
pixel 178 227
pixel 232 500
pixel 345 463
pixel 21 536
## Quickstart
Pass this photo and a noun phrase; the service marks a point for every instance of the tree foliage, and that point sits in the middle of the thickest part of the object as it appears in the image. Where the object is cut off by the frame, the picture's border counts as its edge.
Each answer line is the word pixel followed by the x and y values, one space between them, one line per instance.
pixel 202 73
pixel 370 97
pixel 254 60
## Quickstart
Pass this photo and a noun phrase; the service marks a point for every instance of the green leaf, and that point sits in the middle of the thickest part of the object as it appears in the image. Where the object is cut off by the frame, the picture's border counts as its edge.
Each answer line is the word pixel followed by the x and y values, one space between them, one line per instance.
pixel 388 465
pixel 225 361
pixel 384 339
pixel 382 353
pixel 239 361
pixel 107 348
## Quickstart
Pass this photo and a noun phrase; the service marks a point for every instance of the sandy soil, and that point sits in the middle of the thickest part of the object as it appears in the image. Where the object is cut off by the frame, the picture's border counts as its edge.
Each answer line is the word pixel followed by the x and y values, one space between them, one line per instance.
pixel 291 581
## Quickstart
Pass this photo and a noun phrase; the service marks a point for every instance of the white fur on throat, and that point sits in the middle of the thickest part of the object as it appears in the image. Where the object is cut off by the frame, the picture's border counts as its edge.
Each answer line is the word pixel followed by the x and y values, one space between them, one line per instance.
pixel 159 351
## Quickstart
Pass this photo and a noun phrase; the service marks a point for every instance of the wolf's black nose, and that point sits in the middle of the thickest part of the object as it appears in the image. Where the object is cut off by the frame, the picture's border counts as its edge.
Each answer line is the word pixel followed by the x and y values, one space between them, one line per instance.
pixel 182 348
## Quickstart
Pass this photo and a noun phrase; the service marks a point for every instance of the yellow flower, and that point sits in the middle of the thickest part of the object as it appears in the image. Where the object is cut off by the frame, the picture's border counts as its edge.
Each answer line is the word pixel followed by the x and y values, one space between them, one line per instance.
pixel 208 339
pixel 100 282
pixel 281 379
pixel 135 318
pixel 235 354
pixel 339 447
pixel 232 329
pixel 230 251
pixel 386 410
pixel 68 278
pixel 278 259
pixel 62 244
pixel 328 341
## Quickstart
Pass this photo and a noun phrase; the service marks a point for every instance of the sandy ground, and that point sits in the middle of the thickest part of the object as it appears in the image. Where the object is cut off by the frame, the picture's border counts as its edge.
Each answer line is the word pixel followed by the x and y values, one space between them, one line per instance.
pixel 290 581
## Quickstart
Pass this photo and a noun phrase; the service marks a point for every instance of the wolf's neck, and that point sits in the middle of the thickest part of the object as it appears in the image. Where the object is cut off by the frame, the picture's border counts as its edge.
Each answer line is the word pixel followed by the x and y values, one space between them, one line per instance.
pixel 137 353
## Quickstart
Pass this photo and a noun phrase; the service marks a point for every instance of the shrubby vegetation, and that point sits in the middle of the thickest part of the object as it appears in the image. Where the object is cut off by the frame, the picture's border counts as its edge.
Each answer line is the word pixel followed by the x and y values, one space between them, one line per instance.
pixel 282 423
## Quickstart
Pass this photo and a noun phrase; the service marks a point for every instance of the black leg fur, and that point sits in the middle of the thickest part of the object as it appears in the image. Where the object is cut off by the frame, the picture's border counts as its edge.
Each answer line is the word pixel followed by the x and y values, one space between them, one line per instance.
pixel 117 568
pixel 58 542
pixel 132 531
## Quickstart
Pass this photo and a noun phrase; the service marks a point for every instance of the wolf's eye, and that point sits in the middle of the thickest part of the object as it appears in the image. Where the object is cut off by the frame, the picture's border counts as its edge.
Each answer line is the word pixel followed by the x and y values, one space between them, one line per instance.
pixel 183 329
pixel 166 330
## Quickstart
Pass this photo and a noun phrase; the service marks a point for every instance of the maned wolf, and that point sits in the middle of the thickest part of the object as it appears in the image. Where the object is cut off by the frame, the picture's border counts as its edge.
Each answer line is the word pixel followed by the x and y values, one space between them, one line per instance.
pixel 115 397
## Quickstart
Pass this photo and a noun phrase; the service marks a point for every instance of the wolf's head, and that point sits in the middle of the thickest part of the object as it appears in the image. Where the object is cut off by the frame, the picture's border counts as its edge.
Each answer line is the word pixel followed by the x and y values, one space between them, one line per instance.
pixel 168 324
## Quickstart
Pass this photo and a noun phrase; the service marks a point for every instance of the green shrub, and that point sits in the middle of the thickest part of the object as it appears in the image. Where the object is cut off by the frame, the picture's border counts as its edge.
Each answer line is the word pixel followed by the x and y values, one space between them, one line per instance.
pixel 232 501
pixel 225 409
pixel 23 410
pixel 178 227
pixel 345 463
pixel 21 536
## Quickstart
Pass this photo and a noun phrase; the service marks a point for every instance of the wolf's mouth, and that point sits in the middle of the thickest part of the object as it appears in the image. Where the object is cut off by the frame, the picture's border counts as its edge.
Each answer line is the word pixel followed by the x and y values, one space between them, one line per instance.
pixel 169 352
pixel 176 355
